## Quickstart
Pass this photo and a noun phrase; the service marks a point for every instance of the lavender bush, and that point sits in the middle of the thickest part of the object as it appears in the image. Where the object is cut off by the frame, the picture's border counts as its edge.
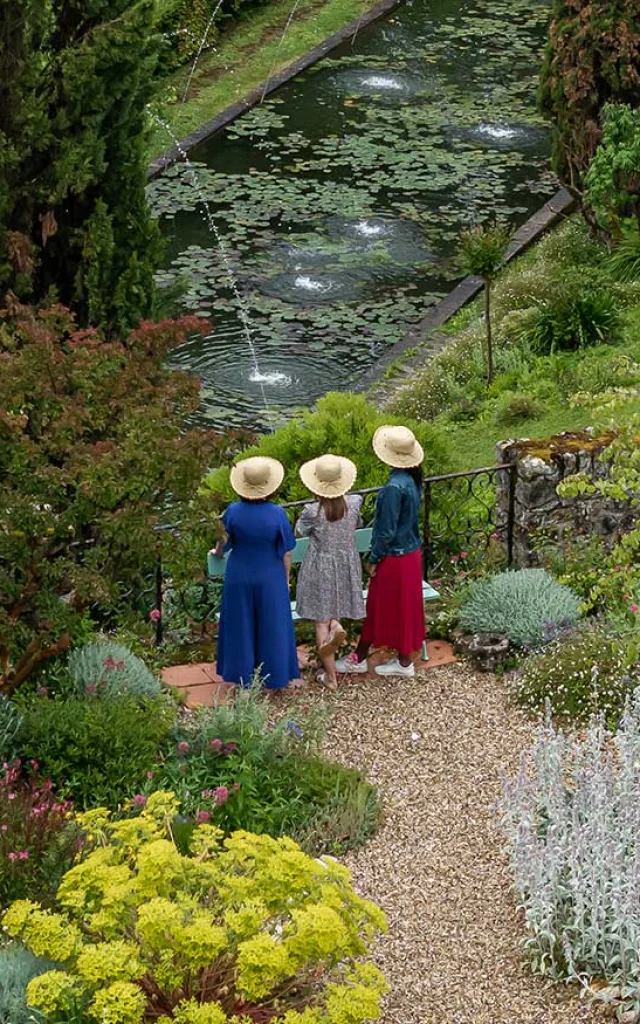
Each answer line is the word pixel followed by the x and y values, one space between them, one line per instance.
pixel 573 830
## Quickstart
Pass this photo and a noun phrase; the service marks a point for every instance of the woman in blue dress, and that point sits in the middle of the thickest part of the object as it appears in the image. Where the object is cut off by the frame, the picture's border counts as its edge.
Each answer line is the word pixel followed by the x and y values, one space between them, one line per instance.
pixel 256 628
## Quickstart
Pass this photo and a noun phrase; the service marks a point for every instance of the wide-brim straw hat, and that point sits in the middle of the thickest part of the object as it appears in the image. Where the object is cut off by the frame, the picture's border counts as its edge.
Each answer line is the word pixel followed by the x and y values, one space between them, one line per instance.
pixel 329 476
pixel 257 477
pixel 397 447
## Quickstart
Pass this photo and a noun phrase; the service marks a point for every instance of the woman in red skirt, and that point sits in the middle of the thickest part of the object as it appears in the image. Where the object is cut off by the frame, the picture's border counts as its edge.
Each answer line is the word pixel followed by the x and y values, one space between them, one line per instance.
pixel 395 608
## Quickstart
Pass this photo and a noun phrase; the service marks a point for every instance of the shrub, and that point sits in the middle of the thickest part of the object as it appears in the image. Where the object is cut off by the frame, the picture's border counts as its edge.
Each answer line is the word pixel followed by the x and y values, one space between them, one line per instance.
pixel 38 842
pixel 572 824
pixel 342 423
pixel 572 320
pixel 511 408
pixel 231 765
pixel 10 722
pixel 624 262
pixel 252 927
pixel 522 604
pixel 17 968
pixel 109 669
pixel 96 752
pixel 580 674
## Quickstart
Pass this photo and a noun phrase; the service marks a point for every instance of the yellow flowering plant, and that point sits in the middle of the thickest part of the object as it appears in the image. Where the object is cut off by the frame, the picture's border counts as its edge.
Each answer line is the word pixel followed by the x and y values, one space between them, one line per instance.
pixel 243 930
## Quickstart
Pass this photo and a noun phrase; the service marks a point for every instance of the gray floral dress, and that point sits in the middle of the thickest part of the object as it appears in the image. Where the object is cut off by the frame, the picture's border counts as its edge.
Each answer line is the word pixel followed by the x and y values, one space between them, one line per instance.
pixel 330 578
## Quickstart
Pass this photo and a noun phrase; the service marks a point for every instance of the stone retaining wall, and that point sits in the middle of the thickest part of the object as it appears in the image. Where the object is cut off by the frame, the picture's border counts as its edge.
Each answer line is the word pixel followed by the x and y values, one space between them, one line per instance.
pixel 542 465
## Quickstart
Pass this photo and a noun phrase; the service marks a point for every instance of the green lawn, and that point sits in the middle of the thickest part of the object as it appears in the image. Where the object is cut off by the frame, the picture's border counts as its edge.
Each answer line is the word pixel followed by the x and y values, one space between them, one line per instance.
pixel 248 53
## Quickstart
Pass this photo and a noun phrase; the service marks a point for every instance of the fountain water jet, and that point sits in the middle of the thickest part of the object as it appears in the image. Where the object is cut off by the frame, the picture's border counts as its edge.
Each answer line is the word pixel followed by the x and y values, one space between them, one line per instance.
pixel 259 376
pixel 203 43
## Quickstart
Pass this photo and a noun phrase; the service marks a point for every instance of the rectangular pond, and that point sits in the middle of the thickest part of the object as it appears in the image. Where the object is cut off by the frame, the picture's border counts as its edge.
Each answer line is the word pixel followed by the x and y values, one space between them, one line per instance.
pixel 318 228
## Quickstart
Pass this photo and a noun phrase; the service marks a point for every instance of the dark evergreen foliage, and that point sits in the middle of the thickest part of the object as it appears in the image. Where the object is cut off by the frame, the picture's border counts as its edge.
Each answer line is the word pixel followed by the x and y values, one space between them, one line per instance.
pixel 75 79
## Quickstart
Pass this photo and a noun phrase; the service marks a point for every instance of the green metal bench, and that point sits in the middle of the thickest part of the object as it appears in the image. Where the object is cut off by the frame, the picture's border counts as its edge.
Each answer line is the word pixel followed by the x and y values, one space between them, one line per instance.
pixel 216 567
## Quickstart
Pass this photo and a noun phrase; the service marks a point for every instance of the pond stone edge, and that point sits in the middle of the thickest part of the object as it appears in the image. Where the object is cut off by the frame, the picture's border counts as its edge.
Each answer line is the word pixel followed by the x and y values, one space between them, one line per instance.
pixel 253 98
pixel 555 209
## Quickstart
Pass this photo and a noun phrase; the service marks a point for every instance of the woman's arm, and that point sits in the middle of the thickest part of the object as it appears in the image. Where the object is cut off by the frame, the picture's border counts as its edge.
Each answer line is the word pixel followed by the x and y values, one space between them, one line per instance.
pixel 287 564
pixel 385 523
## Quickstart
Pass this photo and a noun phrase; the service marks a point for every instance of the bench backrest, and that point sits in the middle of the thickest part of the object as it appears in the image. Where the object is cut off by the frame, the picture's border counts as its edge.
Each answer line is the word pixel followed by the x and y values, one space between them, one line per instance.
pixel 217 566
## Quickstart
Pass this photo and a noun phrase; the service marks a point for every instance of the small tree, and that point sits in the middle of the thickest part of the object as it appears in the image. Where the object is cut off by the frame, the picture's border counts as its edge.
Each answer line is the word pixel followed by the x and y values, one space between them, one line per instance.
pixel 481 252
pixel 93 453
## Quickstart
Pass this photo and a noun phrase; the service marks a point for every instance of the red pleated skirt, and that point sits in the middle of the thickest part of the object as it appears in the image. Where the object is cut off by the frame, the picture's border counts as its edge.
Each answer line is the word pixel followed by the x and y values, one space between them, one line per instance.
pixel 395 609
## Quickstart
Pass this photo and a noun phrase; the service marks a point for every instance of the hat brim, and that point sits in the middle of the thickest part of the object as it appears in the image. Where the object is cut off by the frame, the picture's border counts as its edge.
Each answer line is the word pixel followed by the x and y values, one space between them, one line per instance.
pixel 398 460
pixel 271 484
pixel 329 489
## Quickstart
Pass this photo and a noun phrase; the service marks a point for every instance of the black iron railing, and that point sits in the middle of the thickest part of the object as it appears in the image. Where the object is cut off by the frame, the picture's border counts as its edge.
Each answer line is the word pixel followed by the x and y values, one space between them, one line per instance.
pixel 461 520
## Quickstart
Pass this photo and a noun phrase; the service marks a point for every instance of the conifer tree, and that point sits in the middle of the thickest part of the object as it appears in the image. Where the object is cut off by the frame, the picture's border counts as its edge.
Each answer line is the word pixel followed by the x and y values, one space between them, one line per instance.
pixel 75 80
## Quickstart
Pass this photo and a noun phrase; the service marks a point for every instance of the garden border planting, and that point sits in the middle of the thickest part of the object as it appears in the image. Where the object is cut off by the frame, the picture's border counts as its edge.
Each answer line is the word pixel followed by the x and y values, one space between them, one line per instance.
pixel 559 206
pixel 253 98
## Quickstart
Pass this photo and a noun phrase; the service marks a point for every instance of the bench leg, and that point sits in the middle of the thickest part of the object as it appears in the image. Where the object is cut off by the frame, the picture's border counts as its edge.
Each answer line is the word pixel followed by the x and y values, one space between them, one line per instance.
pixel 425 652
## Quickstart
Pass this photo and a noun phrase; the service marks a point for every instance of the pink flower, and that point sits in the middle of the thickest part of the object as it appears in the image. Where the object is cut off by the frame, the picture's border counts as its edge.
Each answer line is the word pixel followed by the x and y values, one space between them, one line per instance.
pixel 3 828
pixel 231 748
pixel 183 747
pixel 202 817
pixel 139 800
pixel 109 663
pixel 633 609
pixel 463 554
pixel 455 558
pixel 42 691
pixel 221 795
pixel 92 689
pixel 216 744
pixel 305 707
pixel 149 775
pixel 155 614
pixel 12 856
pixel 23 855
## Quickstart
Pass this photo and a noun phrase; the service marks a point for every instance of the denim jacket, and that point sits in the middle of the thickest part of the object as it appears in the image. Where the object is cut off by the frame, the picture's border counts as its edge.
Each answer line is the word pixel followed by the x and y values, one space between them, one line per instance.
pixel 395 528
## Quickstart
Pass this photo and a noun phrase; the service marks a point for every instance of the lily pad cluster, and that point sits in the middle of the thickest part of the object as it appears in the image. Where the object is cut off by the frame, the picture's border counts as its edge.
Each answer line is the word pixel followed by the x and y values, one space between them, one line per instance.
pixel 339 200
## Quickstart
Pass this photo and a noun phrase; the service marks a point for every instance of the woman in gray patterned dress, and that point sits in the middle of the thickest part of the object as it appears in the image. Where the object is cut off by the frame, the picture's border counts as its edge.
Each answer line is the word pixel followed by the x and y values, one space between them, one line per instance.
pixel 330 578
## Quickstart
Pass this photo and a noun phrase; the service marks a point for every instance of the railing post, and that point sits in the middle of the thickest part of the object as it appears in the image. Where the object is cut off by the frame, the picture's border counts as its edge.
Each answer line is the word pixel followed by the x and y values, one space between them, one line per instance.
pixel 426 530
pixel 159 625
pixel 511 510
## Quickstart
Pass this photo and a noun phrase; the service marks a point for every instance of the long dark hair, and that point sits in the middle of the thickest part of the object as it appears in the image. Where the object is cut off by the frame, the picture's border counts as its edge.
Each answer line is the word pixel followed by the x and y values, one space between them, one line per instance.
pixel 334 508
pixel 416 474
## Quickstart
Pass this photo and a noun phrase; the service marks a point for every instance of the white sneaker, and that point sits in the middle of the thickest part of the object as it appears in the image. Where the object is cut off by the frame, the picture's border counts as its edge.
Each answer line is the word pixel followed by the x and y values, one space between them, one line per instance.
pixel 394 668
pixel 351 665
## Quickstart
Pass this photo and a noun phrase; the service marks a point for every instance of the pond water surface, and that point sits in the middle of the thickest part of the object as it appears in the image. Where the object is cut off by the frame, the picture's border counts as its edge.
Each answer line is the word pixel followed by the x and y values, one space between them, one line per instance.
pixel 339 200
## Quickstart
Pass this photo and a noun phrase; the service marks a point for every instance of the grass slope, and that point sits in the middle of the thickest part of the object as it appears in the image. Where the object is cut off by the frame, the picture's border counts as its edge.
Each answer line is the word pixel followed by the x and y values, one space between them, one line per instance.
pixel 247 54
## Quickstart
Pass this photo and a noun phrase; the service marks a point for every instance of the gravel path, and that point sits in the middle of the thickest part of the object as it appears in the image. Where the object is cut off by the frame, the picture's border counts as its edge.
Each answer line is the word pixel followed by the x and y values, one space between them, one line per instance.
pixel 436 745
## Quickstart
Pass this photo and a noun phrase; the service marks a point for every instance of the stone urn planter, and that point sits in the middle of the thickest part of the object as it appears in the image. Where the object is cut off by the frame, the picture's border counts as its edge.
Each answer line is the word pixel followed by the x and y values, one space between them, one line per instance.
pixel 486 650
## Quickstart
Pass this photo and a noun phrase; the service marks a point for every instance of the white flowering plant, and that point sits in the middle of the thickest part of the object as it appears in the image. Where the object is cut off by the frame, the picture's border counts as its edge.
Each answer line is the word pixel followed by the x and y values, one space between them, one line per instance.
pixel 573 828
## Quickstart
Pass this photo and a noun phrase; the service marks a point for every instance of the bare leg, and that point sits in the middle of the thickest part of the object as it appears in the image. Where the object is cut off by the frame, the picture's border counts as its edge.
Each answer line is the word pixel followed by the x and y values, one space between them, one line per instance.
pixel 323 632
pixel 362 650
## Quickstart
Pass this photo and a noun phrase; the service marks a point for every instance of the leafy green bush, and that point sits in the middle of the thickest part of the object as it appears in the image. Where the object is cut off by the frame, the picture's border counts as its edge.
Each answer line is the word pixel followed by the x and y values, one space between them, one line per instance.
pixel 584 673
pixel 17 967
pixel 10 722
pixel 573 319
pixel 235 767
pixel 97 752
pixel 512 407
pixel 251 925
pixel 624 262
pixel 110 670
pixel 525 605
pixel 341 423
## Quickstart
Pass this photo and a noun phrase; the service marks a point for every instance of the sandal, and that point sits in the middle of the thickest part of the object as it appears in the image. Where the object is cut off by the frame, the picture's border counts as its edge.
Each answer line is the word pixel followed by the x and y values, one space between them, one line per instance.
pixel 336 639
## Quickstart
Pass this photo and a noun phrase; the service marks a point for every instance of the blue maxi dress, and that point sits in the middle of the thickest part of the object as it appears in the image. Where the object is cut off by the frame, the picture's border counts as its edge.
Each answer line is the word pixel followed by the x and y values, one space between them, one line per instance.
pixel 256 627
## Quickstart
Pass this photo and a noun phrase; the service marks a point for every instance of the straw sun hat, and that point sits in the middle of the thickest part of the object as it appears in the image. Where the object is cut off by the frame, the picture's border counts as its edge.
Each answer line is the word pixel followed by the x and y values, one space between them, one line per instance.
pixel 329 476
pixel 257 477
pixel 397 447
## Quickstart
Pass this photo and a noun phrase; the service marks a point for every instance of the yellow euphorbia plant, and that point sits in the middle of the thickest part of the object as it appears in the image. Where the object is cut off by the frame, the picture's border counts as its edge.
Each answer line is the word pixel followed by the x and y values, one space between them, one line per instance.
pixel 244 930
